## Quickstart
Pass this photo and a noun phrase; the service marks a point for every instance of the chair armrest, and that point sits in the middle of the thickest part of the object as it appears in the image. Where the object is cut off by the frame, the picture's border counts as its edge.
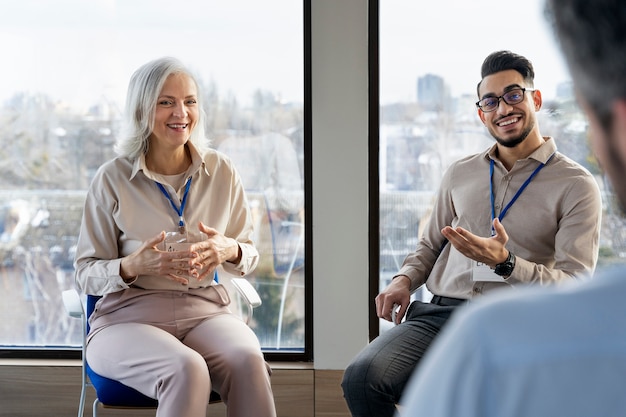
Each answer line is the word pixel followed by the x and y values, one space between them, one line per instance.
pixel 247 292
pixel 72 303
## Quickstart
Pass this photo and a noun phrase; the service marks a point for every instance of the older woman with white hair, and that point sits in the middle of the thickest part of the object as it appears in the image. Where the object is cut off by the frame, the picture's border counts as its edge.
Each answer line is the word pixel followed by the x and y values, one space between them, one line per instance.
pixel 158 220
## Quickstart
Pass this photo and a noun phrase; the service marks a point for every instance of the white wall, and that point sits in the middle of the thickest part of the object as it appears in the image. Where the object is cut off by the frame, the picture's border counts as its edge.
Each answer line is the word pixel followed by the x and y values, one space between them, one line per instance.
pixel 340 180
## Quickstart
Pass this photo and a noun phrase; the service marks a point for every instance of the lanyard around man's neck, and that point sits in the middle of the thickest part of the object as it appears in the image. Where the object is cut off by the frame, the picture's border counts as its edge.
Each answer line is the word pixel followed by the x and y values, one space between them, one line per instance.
pixel 515 197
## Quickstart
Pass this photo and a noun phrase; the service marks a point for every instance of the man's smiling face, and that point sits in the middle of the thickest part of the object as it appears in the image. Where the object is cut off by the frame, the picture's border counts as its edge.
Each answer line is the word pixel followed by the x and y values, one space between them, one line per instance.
pixel 509 124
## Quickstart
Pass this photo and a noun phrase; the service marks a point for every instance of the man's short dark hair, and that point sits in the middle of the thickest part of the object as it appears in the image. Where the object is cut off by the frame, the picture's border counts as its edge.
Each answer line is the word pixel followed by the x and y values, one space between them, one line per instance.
pixel 507 60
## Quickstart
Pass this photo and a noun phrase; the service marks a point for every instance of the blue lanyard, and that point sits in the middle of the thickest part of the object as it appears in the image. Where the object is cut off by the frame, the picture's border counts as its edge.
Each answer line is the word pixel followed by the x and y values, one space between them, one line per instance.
pixel 517 194
pixel 179 211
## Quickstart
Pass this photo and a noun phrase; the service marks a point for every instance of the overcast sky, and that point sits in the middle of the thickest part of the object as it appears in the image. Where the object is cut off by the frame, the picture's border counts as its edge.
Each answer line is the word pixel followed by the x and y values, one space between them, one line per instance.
pixel 70 48
pixel 451 38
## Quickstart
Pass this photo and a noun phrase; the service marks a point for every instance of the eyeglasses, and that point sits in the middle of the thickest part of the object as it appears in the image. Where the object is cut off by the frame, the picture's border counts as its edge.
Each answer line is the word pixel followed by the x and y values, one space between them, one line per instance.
pixel 514 96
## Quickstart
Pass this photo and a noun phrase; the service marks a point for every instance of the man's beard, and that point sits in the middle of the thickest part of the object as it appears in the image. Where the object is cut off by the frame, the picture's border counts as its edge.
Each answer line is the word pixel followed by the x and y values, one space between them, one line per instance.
pixel 512 143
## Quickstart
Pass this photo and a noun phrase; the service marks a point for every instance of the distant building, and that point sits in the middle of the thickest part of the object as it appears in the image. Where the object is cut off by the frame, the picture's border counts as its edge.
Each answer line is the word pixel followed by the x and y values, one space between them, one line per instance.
pixel 432 92
pixel 565 91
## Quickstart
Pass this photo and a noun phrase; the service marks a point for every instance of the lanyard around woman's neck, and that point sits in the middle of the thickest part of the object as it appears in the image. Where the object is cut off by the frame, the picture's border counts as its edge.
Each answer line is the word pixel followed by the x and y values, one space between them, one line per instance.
pixel 515 197
pixel 183 203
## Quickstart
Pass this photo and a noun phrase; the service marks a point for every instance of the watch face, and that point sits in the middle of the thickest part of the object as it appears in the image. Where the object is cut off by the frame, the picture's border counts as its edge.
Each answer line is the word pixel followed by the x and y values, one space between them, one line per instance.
pixel 504 269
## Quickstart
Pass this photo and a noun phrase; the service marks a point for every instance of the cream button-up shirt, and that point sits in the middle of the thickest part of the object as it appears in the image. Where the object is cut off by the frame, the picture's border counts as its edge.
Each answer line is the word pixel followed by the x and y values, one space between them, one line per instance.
pixel 124 207
pixel 553 227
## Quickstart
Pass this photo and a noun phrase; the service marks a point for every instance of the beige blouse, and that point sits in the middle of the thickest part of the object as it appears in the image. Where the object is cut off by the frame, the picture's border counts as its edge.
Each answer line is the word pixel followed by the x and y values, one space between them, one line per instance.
pixel 124 207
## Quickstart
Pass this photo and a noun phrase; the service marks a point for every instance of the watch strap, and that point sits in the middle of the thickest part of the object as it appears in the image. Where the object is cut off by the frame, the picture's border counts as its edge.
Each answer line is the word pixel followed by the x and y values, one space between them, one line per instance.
pixel 506 268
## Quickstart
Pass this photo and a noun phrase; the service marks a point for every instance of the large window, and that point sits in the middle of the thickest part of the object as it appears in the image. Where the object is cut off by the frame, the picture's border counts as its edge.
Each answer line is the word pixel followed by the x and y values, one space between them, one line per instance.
pixel 61 95
pixel 430 58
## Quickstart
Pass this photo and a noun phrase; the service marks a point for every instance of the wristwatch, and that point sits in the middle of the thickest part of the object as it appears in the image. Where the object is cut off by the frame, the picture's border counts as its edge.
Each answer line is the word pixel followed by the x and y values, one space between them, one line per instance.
pixel 506 268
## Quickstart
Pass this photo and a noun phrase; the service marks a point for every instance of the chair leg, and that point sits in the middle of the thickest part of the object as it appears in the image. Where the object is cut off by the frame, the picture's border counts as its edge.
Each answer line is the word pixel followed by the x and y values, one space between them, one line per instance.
pixel 81 404
pixel 95 407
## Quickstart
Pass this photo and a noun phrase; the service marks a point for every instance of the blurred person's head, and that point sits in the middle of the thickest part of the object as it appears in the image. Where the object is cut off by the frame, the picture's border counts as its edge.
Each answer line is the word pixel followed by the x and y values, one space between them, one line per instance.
pixel 592 36
pixel 145 87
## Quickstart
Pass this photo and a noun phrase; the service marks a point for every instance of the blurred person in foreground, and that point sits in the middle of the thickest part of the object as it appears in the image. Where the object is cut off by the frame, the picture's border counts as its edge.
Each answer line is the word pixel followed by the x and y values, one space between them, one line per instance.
pixel 558 352
pixel 158 220
pixel 517 214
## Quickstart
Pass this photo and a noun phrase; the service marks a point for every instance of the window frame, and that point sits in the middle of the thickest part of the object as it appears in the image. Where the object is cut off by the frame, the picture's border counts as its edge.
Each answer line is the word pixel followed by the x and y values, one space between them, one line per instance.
pixel 374 163
pixel 306 355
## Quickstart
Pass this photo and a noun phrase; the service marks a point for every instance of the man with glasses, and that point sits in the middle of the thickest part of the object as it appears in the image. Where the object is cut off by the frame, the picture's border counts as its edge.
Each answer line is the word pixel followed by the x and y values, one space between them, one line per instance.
pixel 519 213
pixel 557 352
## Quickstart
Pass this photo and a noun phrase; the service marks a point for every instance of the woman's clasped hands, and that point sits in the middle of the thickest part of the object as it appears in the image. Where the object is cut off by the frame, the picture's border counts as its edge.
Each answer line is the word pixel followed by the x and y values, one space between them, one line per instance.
pixel 184 260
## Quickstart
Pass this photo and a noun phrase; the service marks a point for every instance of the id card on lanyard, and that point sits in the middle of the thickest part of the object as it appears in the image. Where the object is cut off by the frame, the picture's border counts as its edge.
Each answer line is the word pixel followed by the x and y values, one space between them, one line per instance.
pixel 480 271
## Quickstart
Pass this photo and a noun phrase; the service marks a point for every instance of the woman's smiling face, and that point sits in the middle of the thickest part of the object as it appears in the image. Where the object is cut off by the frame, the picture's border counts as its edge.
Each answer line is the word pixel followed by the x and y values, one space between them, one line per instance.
pixel 176 112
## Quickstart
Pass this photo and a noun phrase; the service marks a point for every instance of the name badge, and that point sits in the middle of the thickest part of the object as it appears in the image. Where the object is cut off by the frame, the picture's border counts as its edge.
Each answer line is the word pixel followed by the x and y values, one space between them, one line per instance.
pixel 482 272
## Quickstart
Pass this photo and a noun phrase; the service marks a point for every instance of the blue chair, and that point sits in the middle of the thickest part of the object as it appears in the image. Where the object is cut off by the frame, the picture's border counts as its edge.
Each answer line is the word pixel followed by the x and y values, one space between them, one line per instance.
pixel 111 393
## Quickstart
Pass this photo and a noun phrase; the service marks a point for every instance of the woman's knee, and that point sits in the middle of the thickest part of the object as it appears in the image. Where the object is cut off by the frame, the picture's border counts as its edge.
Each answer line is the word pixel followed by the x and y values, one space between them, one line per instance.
pixel 244 359
pixel 190 366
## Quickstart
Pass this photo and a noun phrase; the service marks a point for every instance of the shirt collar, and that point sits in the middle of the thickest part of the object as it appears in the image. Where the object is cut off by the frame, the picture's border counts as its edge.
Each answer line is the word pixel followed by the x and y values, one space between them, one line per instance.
pixel 197 162
pixel 541 154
